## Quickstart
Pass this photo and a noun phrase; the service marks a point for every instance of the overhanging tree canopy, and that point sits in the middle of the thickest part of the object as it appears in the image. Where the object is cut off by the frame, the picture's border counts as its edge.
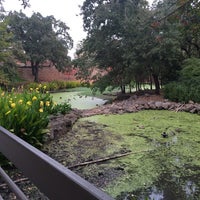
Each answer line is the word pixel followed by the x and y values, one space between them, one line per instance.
pixel 136 42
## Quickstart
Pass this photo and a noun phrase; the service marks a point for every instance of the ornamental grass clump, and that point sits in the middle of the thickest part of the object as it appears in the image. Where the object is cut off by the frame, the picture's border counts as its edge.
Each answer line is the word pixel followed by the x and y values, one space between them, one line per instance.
pixel 26 114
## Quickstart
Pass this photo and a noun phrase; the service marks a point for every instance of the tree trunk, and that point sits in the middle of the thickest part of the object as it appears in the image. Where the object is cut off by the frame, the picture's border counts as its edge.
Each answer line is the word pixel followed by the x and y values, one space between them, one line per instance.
pixel 35 69
pixel 157 84
pixel 151 84
pixel 36 73
pixel 123 89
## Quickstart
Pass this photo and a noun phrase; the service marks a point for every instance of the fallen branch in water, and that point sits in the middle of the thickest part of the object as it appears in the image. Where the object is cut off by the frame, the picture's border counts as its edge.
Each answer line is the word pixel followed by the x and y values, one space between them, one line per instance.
pixel 105 159
pixel 86 163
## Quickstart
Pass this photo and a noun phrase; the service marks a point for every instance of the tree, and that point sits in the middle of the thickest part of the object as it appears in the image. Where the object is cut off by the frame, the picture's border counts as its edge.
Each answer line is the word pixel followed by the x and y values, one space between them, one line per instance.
pixel 44 39
pixel 106 23
pixel 133 42
pixel 8 52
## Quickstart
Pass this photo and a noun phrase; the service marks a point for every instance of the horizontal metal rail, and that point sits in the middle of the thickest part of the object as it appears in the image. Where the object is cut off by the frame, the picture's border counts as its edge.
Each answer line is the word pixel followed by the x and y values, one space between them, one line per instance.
pixel 52 178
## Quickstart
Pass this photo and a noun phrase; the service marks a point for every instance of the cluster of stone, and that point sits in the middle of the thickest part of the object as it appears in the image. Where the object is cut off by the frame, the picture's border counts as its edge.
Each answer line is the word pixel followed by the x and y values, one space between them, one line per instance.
pixel 133 104
pixel 61 124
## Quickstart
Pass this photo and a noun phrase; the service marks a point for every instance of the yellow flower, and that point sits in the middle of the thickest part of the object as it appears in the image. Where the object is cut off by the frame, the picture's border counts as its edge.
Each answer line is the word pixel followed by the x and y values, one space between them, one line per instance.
pixel 20 101
pixel 28 103
pixel 2 94
pixel 7 112
pixel 37 89
pixel 34 98
pixel 41 103
pixel 41 110
pixel 13 105
pixel 40 85
pixel 31 89
pixel 47 103
pixel 44 87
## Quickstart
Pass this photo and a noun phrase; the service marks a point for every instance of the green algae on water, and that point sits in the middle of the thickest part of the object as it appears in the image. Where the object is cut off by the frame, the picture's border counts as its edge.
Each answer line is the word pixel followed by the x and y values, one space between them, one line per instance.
pixel 158 162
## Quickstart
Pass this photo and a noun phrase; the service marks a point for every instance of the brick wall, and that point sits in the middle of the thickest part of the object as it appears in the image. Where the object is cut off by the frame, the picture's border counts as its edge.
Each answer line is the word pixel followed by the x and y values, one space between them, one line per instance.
pixel 46 74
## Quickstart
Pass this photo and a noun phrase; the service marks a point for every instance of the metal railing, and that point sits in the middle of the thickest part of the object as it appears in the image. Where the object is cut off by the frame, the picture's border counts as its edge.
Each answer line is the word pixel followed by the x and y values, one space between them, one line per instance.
pixel 53 179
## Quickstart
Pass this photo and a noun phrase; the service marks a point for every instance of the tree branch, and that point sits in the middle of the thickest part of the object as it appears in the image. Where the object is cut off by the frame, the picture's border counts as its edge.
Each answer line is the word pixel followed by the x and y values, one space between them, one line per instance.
pixel 106 159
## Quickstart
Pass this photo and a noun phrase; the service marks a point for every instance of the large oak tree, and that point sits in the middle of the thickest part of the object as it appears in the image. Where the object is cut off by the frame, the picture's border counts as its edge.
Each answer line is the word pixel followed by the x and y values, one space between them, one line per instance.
pixel 44 39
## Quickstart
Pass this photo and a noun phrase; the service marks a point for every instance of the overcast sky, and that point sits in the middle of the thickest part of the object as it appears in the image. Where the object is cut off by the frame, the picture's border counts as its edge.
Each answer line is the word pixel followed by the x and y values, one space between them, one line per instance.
pixel 65 10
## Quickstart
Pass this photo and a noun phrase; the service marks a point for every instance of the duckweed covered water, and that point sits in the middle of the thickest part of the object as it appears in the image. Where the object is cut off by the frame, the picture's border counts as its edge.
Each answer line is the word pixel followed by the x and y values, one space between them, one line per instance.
pixel 160 167
pixel 77 100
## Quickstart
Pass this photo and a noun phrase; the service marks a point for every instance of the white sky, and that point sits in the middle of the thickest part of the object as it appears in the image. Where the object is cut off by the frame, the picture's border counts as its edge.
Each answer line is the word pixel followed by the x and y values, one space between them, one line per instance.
pixel 67 11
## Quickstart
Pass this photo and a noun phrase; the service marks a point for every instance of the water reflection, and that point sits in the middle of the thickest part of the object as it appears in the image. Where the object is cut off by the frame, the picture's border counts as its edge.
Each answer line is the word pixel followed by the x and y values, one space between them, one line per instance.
pixel 77 101
pixel 177 180
pixel 171 185
pixel 166 189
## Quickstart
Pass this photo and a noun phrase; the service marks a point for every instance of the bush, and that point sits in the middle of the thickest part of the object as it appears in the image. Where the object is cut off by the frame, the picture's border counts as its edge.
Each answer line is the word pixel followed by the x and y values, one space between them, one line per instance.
pixel 182 92
pixel 55 85
pixel 26 114
pixel 61 108
pixel 187 88
pixel 72 84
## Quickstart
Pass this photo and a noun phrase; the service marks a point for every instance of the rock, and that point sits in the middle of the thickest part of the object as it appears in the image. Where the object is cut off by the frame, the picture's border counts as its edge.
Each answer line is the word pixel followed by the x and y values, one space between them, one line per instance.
pixel 166 105
pixel 62 123
pixel 191 102
pixel 159 105
pixel 193 110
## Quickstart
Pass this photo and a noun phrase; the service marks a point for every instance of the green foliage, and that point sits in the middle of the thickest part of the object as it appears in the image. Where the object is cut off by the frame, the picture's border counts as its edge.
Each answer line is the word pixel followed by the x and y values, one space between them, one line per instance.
pixel 42 38
pixel 187 88
pixel 8 74
pixel 132 42
pixel 54 85
pixel 26 114
pixel 182 92
pixel 191 70
pixel 72 84
pixel 60 108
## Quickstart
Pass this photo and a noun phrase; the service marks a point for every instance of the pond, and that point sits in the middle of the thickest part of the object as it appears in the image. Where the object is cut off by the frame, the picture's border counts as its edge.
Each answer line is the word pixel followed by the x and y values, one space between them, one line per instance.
pixel 159 168
pixel 77 99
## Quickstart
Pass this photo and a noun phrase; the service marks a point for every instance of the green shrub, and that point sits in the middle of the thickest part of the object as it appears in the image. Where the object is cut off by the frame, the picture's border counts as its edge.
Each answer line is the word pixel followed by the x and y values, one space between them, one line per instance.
pixel 26 114
pixel 61 108
pixel 181 92
pixel 187 88
pixel 72 84
pixel 55 85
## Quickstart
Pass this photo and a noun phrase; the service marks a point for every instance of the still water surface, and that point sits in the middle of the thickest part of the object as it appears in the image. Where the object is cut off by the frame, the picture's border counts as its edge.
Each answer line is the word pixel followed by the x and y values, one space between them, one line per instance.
pixel 77 100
